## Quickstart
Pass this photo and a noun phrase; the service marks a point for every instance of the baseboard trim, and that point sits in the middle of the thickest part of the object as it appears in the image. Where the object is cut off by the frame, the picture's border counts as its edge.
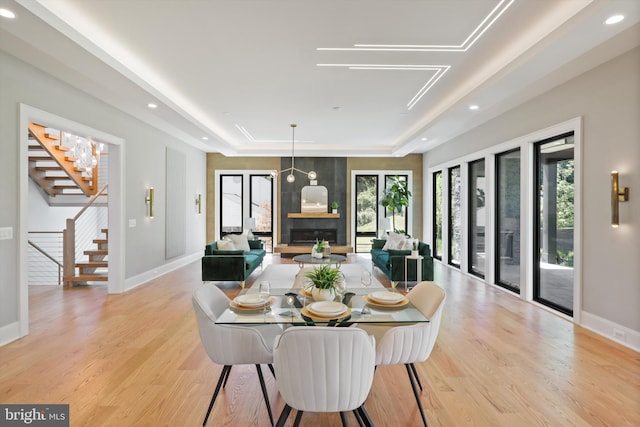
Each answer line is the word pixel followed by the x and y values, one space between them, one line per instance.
pixel 140 279
pixel 9 333
pixel 611 330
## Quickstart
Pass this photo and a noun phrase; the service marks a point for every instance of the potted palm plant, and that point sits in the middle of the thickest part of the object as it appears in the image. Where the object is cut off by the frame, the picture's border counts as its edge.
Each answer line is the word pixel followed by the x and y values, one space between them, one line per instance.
pixel 324 280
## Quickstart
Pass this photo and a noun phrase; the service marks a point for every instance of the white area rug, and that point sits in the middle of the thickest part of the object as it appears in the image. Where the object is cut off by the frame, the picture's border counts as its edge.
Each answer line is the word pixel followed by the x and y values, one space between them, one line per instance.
pixel 283 276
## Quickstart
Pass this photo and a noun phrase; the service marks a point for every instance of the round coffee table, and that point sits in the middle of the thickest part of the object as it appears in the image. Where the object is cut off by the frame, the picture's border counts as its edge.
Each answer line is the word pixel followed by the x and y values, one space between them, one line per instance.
pixel 308 259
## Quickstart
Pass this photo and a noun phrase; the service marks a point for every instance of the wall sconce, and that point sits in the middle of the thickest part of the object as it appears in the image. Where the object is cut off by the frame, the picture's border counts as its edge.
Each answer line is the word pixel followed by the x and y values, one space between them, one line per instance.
pixel 618 194
pixel 149 201
pixel 199 202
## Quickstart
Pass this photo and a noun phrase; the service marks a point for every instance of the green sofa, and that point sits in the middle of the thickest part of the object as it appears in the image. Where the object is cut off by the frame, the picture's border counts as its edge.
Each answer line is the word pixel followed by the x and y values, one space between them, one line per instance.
pixel 219 265
pixel 391 262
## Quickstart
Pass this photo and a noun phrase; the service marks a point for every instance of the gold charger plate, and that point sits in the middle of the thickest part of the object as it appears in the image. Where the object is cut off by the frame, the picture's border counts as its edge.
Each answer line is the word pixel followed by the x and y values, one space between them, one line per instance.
pixel 306 293
pixel 404 301
pixel 237 306
pixel 314 316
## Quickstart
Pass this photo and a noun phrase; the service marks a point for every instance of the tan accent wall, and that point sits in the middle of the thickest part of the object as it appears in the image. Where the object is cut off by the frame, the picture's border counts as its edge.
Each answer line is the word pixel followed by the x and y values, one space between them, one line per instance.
pixel 413 162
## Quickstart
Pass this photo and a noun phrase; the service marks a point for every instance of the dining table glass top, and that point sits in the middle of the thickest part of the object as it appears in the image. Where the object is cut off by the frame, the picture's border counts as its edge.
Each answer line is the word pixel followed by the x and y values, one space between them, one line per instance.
pixel 360 306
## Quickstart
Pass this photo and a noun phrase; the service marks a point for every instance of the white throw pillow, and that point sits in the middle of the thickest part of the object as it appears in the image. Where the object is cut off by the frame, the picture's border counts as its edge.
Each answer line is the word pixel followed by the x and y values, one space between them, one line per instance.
pixel 239 241
pixel 226 245
pixel 394 241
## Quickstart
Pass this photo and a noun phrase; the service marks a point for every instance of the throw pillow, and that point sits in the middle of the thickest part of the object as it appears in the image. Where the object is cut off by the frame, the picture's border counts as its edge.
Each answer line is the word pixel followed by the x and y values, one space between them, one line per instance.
pixel 239 241
pixel 226 245
pixel 397 241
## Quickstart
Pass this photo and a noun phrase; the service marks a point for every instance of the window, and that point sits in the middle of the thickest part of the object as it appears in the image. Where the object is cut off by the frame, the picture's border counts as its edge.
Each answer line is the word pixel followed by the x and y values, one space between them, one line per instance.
pixel 399 222
pixel 366 211
pixel 554 220
pixel 231 204
pixel 477 217
pixel 507 236
pixel 437 215
pixel 455 216
pixel 261 208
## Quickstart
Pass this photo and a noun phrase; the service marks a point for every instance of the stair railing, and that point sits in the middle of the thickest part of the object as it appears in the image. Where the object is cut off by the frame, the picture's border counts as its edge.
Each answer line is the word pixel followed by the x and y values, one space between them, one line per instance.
pixel 69 236
pixel 41 271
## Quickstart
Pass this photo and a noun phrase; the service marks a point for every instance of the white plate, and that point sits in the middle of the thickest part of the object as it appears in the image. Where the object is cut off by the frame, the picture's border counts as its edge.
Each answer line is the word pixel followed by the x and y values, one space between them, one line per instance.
pixel 249 300
pixel 327 308
pixel 385 297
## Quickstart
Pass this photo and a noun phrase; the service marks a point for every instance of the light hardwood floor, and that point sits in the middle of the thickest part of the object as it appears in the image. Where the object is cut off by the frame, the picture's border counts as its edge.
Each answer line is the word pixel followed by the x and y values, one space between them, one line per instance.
pixel 136 360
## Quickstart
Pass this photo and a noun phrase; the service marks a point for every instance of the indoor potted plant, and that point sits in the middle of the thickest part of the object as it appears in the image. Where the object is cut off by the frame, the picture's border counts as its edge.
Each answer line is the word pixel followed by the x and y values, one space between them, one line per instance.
pixel 334 207
pixel 324 280
pixel 317 249
pixel 396 198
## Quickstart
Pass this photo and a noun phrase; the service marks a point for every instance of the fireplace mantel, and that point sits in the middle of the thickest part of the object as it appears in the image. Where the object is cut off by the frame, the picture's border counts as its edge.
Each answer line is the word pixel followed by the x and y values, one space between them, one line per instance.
pixel 312 215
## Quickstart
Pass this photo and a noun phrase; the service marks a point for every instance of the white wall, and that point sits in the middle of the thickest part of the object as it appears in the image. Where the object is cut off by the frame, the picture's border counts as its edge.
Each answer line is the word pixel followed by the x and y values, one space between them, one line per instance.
pixel 42 217
pixel 608 99
pixel 144 153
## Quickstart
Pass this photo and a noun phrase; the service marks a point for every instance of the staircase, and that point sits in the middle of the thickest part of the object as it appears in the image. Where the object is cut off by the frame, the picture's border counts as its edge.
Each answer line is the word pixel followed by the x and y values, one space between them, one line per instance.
pixel 54 168
pixel 95 269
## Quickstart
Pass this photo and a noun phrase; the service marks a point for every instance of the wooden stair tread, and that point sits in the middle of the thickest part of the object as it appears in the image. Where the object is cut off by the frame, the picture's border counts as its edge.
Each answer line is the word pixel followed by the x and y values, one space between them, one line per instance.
pixel 96 252
pixel 48 168
pixel 89 264
pixel 100 241
pixel 86 278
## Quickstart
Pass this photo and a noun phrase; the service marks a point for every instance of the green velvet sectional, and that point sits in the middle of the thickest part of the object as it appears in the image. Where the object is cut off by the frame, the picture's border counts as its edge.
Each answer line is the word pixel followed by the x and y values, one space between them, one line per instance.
pixel 391 262
pixel 218 265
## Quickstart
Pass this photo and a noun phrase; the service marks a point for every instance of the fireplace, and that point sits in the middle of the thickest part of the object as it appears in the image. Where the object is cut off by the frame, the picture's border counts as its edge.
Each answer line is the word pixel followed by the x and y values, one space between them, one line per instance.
pixel 308 236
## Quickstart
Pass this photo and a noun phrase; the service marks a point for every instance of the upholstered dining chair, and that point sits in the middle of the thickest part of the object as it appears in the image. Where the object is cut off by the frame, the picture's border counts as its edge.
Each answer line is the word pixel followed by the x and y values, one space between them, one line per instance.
pixel 324 370
pixel 412 343
pixel 230 345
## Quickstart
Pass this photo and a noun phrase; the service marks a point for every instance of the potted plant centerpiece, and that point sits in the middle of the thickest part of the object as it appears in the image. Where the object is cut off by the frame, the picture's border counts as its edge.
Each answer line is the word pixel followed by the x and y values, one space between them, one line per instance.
pixel 317 249
pixel 324 280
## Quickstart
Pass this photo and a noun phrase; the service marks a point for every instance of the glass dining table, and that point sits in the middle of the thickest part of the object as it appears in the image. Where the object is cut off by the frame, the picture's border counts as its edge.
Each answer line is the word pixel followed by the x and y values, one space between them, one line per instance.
pixel 356 305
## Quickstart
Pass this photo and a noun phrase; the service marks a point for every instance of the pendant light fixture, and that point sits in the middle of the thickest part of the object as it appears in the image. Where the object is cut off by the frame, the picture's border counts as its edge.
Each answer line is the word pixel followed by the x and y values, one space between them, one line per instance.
pixel 291 177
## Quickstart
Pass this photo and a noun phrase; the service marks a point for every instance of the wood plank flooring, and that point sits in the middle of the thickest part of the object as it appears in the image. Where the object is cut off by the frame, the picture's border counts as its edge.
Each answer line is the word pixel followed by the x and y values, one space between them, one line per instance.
pixel 136 360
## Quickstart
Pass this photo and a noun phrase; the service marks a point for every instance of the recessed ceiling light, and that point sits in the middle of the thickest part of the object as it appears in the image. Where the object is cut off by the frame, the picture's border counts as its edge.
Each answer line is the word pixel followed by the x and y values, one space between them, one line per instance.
pixel 6 13
pixel 614 19
pixel 473 107
pixel 204 138
pixel 423 139
pixel 152 105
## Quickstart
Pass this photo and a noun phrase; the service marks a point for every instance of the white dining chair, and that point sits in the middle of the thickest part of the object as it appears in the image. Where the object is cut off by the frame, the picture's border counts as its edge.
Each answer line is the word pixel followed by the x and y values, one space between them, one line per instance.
pixel 324 370
pixel 230 345
pixel 413 343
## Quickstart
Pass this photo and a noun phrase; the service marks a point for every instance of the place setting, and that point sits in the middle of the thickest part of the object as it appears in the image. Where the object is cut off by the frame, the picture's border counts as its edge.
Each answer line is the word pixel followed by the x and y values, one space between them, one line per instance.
pixel 386 299
pixel 326 310
pixel 253 302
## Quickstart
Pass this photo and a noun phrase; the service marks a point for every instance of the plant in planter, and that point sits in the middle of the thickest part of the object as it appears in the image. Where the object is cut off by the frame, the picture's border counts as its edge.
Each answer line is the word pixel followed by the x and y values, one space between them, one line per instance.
pixel 324 280
pixel 414 252
pixel 317 249
pixel 396 198
pixel 334 207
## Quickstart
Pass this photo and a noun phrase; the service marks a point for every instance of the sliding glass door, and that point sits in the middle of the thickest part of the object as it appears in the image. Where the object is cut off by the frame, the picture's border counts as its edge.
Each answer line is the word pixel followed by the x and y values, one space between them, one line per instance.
pixel 553 243
pixel 507 238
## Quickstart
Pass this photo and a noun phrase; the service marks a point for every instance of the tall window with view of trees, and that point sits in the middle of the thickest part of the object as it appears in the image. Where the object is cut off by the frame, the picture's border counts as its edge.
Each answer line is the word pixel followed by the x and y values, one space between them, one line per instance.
pixel 507 236
pixel 477 217
pixel 366 211
pixel 554 202
pixel 230 204
pixel 437 215
pixel 260 206
pixel 455 216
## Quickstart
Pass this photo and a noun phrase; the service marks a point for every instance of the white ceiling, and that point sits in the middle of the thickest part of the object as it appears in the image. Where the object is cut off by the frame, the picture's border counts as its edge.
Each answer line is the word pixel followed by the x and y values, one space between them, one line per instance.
pixel 240 71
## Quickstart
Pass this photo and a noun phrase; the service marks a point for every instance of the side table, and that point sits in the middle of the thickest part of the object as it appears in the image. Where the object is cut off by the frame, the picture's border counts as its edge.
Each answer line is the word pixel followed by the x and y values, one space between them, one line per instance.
pixel 418 259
